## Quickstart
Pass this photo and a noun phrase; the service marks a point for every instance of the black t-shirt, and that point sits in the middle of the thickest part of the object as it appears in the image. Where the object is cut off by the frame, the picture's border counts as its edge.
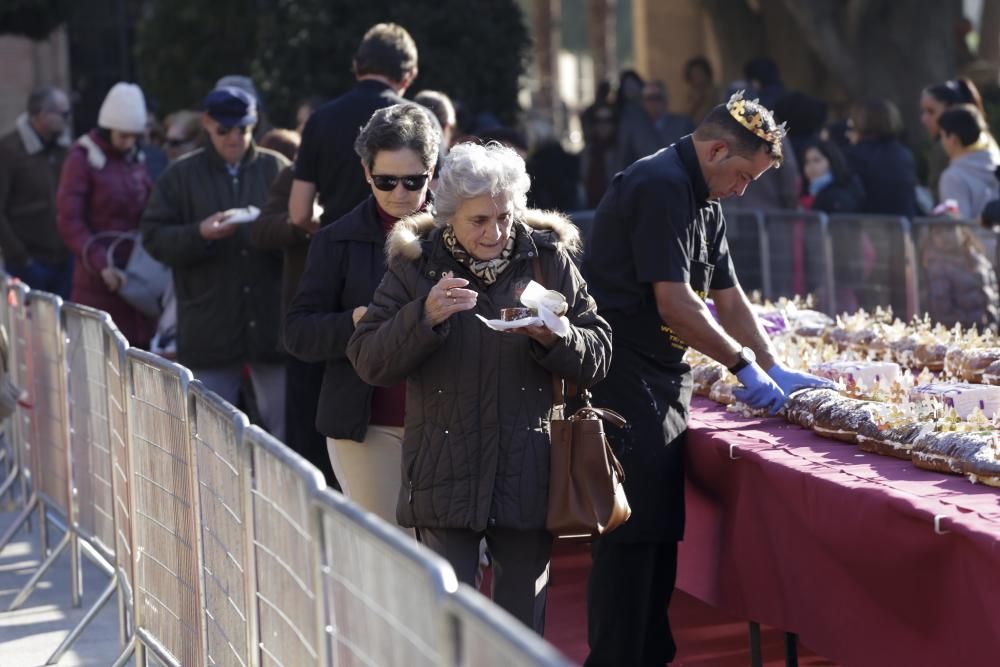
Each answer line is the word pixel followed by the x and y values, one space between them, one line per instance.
pixel 655 224
pixel 326 156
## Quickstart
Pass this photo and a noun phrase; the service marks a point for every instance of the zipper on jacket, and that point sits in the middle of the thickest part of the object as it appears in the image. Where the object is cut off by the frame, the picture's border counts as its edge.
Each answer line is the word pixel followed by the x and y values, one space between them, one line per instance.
pixel 411 492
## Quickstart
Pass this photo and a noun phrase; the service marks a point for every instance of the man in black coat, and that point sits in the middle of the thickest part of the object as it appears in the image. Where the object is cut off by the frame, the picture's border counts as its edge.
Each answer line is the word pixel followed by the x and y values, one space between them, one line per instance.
pixel 656 251
pixel 327 169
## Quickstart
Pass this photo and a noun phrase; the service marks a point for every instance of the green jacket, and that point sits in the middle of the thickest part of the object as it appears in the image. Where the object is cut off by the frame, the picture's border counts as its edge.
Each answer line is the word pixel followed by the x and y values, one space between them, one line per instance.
pixel 228 291
pixel 29 178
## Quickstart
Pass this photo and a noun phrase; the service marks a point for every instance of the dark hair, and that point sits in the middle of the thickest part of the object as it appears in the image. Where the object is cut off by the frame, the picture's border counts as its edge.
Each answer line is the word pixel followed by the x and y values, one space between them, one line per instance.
pixel 439 104
pixel 956 91
pixel 763 70
pixel 719 124
pixel 804 114
pixel 626 76
pixel 397 127
pixel 39 98
pixel 695 63
pixel 876 118
pixel 838 163
pixel 283 141
pixel 386 50
pixel 964 121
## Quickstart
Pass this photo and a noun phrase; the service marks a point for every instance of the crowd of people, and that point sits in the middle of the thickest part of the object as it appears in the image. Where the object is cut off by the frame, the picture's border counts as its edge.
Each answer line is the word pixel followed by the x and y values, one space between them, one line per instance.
pixel 337 269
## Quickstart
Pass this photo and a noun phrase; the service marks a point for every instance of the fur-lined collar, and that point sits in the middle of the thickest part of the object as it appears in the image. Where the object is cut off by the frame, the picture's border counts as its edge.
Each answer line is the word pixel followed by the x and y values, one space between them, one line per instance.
pixel 31 141
pixel 405 240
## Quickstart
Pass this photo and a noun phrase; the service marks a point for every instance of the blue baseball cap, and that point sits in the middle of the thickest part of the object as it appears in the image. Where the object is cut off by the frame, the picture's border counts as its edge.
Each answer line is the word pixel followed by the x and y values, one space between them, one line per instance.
pixel 231 106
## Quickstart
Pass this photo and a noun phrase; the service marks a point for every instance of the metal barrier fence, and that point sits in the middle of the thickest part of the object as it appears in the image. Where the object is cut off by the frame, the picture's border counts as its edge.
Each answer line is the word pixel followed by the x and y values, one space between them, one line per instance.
pixel 223 466
pixel 479 644
pixel 385 595
pixel 168 598
pixel 286 554
pixel 15 296
pixel 224 546
pixel 49 439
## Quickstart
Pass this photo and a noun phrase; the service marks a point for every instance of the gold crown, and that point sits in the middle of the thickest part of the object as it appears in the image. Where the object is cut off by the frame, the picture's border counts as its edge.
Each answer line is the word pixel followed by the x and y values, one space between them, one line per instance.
pixel 755 117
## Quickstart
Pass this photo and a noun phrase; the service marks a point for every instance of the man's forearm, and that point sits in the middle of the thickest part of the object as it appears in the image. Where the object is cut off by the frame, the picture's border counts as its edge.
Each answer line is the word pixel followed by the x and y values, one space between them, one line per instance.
pixel 300 203
pixel 739 321
pixel 693 323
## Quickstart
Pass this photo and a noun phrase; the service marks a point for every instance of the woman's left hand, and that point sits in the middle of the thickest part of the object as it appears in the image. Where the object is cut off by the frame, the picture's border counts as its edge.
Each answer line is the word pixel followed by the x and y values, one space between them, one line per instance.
pixel 540 332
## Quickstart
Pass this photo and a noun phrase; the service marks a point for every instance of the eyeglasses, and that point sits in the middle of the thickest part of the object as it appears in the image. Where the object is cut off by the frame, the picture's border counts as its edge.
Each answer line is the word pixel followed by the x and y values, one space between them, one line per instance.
pixel 389 183
pixel 63 113
pixel 222 130
pixel 173 142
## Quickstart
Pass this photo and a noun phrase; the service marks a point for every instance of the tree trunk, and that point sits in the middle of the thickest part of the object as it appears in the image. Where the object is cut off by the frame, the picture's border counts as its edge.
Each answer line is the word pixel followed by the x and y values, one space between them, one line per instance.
pixel 547 42
pixel 601 33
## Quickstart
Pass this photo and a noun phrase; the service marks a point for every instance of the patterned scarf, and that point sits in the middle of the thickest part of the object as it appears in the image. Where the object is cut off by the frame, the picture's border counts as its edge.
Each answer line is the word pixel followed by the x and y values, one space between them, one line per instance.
pixel 486 270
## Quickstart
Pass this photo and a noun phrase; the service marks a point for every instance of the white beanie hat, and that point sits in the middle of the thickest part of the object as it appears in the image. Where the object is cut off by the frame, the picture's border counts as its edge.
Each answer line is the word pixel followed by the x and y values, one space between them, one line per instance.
pixel 124 109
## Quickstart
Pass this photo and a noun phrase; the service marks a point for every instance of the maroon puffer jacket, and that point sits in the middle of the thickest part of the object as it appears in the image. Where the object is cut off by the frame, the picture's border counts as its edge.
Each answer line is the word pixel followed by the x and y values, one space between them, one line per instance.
pixel 102 190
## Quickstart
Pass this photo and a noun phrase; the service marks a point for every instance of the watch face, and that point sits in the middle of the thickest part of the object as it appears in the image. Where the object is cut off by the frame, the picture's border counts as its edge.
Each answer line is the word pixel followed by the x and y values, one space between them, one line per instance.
pixel 749 355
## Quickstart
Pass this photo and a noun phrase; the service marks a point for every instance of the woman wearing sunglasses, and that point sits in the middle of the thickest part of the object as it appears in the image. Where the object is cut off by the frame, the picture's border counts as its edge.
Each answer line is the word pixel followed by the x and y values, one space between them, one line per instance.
pixel 103 190
pixel 363 424
pixel 476 450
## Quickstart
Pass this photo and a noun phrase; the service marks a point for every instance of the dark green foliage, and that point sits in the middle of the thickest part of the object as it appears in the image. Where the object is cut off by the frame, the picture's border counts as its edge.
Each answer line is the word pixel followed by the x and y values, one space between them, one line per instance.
pixel 182 47
pixel 473 51
pixel 32 18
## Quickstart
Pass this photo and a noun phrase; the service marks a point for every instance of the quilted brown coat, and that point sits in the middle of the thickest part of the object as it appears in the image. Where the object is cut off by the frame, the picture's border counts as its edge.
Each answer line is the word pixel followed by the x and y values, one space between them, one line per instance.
pixel 478 402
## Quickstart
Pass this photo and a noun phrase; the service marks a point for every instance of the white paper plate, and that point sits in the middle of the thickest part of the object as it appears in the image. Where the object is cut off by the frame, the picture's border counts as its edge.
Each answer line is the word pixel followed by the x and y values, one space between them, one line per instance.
pixel 239 216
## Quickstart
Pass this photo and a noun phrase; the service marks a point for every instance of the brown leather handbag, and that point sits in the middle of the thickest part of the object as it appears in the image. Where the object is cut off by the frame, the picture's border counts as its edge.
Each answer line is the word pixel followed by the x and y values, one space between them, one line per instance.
pixel 586 481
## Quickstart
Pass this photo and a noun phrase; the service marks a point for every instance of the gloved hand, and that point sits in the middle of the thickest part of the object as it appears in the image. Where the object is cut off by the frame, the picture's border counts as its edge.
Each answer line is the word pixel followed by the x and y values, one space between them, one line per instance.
pixel 790 380
pixel 759 390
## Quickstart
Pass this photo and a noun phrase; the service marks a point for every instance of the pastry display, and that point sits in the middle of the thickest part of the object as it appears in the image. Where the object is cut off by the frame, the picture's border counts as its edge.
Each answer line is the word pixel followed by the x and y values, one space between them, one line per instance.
pixel 914 391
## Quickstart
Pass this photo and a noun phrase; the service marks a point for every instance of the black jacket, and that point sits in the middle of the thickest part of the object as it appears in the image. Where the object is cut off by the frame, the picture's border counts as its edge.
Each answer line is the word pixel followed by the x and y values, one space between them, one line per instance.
pixel 228 291
pixel 848 197
pixel 345 265
pixel 888 175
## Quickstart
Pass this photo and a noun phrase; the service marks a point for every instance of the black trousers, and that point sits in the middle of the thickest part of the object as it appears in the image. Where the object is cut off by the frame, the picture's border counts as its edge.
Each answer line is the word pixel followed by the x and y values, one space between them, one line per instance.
pixel 520 565
pixel 303 383
pixel 627 598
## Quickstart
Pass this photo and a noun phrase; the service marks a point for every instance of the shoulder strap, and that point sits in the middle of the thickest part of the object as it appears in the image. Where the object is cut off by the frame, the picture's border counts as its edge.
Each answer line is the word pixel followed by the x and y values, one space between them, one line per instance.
pixel 558 397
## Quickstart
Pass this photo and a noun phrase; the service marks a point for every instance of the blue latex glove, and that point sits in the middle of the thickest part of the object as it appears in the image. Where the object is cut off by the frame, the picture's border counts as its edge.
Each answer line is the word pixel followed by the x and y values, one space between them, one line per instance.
pixel 759 390
pixel 790 380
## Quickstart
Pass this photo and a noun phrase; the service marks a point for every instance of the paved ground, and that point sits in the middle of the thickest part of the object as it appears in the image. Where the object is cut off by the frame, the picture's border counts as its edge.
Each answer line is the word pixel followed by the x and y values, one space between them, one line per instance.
pixel 29 635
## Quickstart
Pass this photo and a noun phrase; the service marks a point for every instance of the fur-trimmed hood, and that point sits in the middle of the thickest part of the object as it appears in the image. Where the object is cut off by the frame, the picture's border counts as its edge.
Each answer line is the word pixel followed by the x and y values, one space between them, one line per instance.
pixel 31 141
pixel 407 236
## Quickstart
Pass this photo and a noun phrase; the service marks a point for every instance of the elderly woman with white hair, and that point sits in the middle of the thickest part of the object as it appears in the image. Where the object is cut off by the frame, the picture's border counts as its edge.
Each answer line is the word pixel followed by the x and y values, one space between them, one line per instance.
pixel 476 434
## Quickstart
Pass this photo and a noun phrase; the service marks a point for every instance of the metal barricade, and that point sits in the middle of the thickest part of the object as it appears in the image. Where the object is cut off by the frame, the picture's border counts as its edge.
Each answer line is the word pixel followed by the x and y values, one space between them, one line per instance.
pixel 285 554
pixel 49 439
pixel 799 256
pixel 223 462
pixel 750 251
pixel 16 295
pixel 965 245
pixel 168 596
pixel 487 636
pixel 115 348
pixel 90 447
pixel 873 258
pixel 10 449
pixel 384 592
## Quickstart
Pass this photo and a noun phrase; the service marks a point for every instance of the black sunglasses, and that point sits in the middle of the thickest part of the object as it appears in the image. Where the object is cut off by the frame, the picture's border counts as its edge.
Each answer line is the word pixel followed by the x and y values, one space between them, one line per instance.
pixel 223 131
pixel 174 143
pixel 389 183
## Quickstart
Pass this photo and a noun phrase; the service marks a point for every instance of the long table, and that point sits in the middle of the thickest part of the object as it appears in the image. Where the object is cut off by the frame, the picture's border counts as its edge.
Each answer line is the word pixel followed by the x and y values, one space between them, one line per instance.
pixel 870 560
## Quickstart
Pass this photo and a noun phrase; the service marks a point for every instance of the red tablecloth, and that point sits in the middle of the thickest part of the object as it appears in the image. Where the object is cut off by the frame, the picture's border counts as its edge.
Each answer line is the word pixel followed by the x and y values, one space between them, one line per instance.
pixel 819 538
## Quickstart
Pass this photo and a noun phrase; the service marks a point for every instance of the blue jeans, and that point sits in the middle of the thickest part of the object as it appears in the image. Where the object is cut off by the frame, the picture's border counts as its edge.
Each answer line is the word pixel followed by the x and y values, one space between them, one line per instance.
pixel 54 277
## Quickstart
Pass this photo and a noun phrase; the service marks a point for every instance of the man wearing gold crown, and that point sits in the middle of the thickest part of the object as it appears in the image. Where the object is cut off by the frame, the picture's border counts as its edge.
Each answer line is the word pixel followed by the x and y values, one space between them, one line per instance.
pixel 657 250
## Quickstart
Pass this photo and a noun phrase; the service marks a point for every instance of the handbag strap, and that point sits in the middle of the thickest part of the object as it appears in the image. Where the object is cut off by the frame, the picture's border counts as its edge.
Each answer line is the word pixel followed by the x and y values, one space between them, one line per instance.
pixel 116 239
pixel 558 394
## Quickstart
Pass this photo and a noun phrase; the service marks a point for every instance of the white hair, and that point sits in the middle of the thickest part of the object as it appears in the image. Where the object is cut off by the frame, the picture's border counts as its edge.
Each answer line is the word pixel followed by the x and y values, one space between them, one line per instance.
pixel 472 170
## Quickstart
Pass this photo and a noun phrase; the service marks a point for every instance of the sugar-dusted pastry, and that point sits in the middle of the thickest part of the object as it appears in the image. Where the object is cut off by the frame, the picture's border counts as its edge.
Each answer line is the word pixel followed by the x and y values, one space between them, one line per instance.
pixel 891 432
pixel 949 451
pixel 963 397
pixel 843 418
pixel 706 374
pixel 866 373
pixel 723 388
pixel 802 405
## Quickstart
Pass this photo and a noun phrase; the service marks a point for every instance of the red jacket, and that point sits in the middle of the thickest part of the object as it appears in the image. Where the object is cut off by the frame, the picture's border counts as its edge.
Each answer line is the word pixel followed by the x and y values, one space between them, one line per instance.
pixel 102 190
